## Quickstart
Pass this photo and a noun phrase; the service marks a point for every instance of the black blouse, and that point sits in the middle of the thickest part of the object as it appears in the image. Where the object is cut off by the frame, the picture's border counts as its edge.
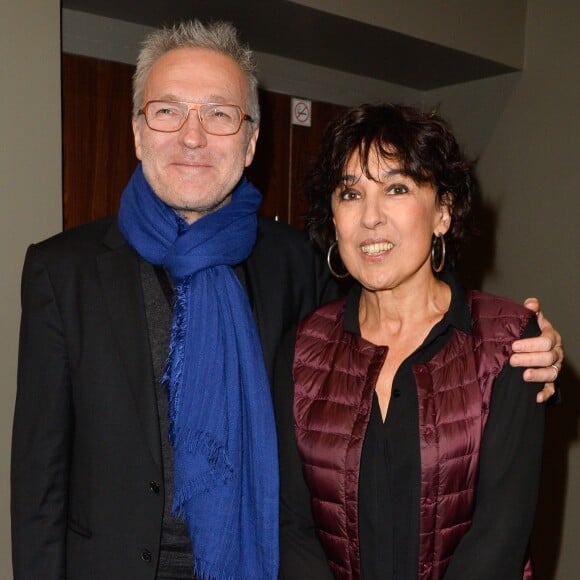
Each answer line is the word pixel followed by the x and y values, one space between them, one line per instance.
pixel 390 474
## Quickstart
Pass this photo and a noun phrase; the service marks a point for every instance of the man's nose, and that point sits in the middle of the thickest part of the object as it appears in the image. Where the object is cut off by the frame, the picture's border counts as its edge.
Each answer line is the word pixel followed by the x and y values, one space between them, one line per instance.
pixel 192 132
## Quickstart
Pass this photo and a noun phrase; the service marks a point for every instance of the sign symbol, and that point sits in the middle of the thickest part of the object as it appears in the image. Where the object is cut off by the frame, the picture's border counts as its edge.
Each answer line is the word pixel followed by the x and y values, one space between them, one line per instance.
pixel 301 112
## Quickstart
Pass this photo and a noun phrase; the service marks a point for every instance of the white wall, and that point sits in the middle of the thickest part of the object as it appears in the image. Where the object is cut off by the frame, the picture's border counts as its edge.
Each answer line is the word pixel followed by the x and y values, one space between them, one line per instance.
pixel 30 185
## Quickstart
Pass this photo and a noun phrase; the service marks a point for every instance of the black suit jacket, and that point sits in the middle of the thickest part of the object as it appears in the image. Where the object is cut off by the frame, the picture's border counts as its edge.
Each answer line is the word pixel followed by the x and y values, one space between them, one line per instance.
pixel 86 474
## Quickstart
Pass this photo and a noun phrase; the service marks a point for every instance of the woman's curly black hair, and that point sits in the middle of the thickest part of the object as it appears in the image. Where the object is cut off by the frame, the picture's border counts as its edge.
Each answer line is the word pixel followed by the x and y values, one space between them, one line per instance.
pixel 421 142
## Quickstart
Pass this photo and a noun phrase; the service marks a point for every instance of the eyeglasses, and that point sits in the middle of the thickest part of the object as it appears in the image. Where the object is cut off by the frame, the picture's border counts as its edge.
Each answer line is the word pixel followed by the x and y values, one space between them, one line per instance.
pixel 215 118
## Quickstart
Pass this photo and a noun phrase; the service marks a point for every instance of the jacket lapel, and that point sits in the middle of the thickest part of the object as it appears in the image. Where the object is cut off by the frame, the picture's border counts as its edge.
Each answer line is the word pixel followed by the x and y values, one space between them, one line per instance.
pixel 120 280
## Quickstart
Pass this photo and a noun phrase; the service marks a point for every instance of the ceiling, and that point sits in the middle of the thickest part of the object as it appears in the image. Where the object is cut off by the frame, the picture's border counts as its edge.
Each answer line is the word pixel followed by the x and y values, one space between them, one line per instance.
pixel 293 31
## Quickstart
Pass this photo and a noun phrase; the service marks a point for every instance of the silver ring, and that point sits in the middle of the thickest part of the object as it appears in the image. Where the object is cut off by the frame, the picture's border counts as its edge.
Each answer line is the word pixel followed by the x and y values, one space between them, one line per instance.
pixel 555 367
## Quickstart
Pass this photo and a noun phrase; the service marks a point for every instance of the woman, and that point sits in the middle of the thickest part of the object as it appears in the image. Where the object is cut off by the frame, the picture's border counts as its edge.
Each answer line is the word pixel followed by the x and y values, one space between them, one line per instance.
pixel 396 460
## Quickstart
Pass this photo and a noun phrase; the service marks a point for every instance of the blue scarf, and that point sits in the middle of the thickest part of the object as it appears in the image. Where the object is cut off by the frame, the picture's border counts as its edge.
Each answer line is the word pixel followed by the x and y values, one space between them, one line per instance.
pixel 220 410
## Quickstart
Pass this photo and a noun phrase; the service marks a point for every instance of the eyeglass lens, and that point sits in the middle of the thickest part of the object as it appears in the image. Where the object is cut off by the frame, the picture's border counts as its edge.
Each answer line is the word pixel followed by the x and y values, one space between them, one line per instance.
pixel 215 118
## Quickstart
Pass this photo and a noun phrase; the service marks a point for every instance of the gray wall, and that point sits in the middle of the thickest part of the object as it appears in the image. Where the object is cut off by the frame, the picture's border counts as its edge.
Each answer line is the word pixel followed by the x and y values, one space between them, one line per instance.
pixel 530 170
pixel 526 130
pixel 30 184
pixel 523 126
pixel 492 29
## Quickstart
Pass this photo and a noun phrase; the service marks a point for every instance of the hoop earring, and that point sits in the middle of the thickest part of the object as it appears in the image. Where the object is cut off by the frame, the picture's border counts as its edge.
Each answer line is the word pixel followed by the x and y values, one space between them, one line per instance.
pixel 438 267
pixel 329 262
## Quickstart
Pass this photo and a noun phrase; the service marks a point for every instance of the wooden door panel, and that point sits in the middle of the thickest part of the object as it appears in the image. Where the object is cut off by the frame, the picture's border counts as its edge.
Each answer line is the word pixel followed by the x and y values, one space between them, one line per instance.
pixel 270 170
pixel 305 144
pixel 98 150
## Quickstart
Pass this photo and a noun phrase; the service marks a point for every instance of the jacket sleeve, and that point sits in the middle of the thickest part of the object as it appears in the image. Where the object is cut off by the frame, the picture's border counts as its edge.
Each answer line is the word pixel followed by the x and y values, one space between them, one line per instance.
pixel 507 487
pixel 41 432
pixel 301 554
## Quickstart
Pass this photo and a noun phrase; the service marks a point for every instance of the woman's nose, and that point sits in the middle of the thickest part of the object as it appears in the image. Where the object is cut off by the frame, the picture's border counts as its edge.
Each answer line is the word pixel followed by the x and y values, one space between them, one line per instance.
pixel 372 214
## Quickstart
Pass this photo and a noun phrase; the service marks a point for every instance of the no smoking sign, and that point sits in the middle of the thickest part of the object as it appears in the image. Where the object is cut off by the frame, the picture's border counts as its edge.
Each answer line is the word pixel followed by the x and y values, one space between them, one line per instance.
pixel 301 112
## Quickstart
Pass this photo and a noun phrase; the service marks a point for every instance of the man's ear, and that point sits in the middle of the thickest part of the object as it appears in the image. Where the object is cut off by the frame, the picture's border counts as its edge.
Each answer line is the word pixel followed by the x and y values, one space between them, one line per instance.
pixel 251 148
pixel 136 137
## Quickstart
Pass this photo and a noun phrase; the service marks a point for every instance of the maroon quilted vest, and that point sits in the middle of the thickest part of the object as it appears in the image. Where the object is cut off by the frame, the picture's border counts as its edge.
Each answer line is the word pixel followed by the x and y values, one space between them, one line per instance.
pixel 335 374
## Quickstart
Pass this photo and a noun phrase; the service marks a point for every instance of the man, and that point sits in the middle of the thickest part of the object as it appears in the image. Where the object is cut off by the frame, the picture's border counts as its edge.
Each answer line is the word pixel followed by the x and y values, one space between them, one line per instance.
pixel 142 385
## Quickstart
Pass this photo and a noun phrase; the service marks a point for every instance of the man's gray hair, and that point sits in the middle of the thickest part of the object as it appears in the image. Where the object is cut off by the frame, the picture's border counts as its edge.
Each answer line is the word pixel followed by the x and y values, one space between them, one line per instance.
pixel 219 36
